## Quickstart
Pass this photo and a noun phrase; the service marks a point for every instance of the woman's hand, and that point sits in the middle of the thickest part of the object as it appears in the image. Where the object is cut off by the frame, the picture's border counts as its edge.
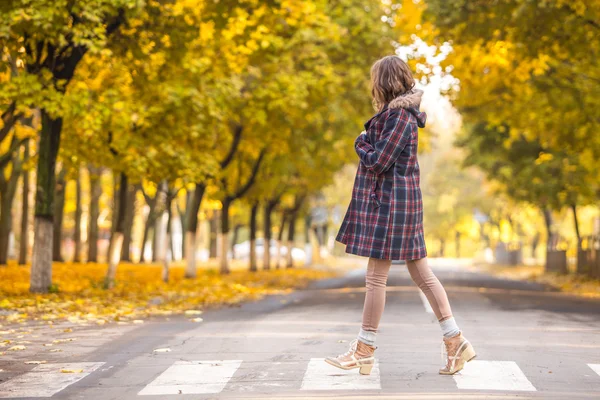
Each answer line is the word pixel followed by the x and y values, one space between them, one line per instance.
pixel 361 138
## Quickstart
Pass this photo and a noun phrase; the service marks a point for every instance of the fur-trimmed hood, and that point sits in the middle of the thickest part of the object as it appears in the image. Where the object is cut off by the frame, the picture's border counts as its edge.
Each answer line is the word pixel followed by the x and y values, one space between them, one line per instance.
pixel 411 102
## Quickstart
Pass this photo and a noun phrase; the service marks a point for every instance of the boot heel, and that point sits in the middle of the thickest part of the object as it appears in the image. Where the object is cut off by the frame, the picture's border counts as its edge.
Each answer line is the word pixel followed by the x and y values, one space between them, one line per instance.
pixel 469 353
pixel 366 369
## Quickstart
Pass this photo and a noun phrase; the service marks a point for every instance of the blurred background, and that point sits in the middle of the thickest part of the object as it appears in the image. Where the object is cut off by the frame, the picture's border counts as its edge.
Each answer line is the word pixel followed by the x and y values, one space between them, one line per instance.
pixel 190 135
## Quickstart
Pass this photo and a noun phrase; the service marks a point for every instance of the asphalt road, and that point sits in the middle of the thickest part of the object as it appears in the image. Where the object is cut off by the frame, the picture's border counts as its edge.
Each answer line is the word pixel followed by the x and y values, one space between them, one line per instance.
pixel 531 343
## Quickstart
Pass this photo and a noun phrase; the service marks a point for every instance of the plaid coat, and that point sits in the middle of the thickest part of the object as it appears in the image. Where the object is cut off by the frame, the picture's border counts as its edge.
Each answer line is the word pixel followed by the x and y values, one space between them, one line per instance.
pixel 385 216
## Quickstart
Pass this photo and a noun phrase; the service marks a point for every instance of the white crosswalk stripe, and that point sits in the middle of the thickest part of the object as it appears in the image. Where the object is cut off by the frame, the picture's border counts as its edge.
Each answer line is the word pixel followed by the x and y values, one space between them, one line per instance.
pixel 493 375
pixel 321 376
pixel 47 379
pixel 193 377
pixel 213 376
pixel 595 368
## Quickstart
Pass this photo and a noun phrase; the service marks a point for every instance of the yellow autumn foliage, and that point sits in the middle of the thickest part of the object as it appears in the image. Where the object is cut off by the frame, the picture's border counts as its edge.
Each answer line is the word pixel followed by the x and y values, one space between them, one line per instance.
pixel 79 295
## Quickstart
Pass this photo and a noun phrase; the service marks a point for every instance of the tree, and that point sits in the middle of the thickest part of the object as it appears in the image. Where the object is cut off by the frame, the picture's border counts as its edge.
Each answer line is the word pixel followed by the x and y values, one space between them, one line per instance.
pixel 55 41
pixel 516 68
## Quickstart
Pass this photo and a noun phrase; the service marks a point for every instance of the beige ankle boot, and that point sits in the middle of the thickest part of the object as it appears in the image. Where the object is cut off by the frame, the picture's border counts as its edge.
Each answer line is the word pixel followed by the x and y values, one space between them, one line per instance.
pixel 458 352
pixel 360 355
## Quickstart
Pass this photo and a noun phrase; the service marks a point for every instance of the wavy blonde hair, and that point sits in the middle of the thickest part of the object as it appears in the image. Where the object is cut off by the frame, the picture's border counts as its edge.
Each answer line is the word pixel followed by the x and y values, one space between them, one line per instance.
pixel 390 77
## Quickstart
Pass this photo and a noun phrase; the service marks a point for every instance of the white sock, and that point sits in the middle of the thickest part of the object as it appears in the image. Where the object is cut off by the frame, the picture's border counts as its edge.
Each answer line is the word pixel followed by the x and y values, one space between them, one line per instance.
pixel 449 328
pixel 367 337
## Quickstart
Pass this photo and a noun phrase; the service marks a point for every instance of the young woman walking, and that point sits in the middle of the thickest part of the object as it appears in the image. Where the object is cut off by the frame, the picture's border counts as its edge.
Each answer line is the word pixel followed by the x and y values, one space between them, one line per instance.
pixel 385 218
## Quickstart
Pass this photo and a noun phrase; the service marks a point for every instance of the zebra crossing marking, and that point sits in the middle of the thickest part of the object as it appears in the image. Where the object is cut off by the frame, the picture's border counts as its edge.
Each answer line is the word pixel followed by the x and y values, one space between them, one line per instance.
pixel 595 368
pixel 193 377
pixel 45 380
pixel 321 376
pixel 493 375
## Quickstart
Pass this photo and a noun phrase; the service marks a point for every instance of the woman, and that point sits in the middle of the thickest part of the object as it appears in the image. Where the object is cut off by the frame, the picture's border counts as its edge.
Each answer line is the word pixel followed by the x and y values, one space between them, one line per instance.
pixel 385 218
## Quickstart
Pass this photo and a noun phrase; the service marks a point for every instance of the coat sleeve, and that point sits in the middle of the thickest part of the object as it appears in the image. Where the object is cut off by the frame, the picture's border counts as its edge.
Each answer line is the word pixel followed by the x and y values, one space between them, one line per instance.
pixel 380 156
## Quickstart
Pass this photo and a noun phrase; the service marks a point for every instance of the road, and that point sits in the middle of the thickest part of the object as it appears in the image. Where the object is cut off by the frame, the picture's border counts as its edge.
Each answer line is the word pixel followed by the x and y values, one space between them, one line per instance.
pixel 531 343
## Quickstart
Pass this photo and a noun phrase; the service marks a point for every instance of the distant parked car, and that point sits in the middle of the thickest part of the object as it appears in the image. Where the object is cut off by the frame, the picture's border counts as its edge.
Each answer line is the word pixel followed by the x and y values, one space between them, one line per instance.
pixel 242 250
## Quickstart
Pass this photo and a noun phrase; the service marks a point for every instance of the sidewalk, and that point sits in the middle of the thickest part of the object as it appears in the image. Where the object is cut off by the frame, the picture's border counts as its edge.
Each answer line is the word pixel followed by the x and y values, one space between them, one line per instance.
pixel 569 283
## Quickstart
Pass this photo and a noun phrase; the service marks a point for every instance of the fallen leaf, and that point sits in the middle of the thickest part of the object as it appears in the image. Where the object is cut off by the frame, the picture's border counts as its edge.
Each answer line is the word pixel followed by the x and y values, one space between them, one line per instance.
pixel 165 350
pixel 36 362
pixel 55 350
pixel 68 330
pixel 17 348
pixel 71 371
pixel 196 320
pixel 193 312
pixel 48 344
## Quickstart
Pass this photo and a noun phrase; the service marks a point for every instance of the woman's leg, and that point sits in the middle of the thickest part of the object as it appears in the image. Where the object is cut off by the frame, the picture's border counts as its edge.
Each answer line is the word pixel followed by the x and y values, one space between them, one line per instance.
pixel 423 276
pixel 376 280
pixel 361 352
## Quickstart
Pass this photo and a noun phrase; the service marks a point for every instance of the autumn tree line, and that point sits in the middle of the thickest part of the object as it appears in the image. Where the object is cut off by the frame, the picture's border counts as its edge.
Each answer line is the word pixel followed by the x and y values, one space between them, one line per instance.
pixel 527 86
pixel 246 103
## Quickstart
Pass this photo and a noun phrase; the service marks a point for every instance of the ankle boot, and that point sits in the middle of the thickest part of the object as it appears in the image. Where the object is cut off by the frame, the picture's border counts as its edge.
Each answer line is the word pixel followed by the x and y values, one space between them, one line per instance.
pixel 458 352
pixel 360 355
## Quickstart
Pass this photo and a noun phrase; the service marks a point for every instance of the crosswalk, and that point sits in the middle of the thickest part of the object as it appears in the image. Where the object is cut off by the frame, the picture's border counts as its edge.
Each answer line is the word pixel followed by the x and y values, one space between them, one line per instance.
pixel 213 376
pixel 45 380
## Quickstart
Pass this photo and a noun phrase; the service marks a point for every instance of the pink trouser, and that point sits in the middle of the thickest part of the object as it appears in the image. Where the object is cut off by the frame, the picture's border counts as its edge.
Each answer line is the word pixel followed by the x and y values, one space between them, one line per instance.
pixel 421 274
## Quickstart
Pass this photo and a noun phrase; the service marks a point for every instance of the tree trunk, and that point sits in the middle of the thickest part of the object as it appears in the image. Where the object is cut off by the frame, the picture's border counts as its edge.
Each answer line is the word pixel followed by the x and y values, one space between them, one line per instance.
pixel 192 229
pixel 184 217
pixel 308 246
pixel 534 244
pixel 576 223
pixel 95 193
pixel 156 249
pixel 128 226
pixel 41 263
pixel 290 241
pixel 78 212
pixel 5 226
pixel 236 234
pixel 8 188
pixel 267 234
pixel 118 235
pixel 115 212
pixel 214 233
pixel 24 242
pixel 280 236
pixel 150 219
pixel 169 242
pixel 224 268
pixel 442 247
pixel 253 213
pixel 147 227
pixel 59 207
pixel 548 221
